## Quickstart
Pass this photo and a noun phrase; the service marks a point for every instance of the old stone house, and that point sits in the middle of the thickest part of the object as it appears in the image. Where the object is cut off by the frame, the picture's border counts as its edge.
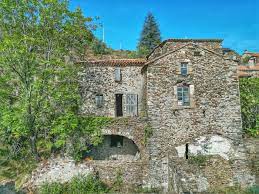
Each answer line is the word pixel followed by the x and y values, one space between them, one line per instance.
pixel 249 65
pixel 176 120
pixel 187 94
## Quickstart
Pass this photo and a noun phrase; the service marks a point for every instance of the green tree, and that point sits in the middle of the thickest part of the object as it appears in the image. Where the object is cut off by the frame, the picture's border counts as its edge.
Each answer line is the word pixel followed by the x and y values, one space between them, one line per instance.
pixel 38 81
pixel 150 35
pixel 249 96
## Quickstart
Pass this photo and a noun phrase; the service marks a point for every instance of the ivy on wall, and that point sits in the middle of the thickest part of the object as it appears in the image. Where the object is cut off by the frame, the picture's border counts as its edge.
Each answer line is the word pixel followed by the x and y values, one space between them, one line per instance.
pixel 249 96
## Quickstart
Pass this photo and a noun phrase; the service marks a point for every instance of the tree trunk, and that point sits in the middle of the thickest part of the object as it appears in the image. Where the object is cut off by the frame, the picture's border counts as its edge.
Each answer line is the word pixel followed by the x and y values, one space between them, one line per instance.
pixel 34 148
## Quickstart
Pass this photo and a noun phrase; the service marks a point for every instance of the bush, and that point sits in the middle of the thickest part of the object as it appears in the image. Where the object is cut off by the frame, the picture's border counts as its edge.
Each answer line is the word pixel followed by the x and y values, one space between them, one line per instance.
pixel 78 185
pixel 198 160
pixel 100 48
pixel 235 190
pixel 249 97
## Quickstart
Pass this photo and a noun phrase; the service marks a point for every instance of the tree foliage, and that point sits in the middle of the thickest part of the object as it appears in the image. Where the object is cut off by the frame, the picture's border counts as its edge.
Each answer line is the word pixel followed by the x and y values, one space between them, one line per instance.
pixel 39 91
pixel 249 96
pixel 150 35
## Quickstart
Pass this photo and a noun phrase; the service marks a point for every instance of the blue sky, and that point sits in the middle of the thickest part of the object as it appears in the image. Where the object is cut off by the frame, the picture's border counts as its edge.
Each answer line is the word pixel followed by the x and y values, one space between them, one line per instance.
pixel 235 21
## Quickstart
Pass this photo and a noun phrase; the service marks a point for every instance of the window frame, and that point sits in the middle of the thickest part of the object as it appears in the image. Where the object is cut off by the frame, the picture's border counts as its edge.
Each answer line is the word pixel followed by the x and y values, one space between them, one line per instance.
pixel 99 100
pixel 184 68
pixel 181 96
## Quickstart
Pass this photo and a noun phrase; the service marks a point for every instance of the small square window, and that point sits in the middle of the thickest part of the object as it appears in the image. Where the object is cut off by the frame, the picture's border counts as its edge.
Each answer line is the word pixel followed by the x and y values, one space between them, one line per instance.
pixel 197 53
pixel 183 96
pixel 184 68
pixel 116 141
pixel 99 100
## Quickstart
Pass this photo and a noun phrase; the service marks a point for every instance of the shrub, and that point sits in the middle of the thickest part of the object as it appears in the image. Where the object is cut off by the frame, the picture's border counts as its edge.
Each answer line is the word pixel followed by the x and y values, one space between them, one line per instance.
pixel 78 185
pixel 198 160
pixel 235 190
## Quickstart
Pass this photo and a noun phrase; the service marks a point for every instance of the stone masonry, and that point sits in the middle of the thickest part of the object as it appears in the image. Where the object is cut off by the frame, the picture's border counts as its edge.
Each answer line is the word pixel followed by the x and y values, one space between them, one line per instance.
pixel 179 106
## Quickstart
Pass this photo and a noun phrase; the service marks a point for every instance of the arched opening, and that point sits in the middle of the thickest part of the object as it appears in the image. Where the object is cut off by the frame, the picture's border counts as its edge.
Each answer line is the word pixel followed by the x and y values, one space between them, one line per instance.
pixel 116 147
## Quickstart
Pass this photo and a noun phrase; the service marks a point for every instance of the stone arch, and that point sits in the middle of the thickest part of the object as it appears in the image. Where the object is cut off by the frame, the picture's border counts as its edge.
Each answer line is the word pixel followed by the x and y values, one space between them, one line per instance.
pixel 116 147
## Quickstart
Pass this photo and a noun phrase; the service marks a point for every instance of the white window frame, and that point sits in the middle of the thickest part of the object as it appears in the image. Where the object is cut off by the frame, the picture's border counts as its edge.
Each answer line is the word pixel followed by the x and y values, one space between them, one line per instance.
pixel 183 96
pixel 131 104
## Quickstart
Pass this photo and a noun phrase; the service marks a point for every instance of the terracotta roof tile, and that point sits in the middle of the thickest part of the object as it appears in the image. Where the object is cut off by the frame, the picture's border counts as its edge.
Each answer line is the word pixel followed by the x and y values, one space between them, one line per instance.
pixel 117 62
pixel 248 68
pixel 253 54
pixel 243 74
pixel 194 40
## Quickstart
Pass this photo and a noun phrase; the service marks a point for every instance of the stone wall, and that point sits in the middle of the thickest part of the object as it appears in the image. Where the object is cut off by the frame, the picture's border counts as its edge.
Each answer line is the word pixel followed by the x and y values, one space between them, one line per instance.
pixel 172 44
pixel 62 170
pixel 209 127
pixel 216 108
pixel 100 79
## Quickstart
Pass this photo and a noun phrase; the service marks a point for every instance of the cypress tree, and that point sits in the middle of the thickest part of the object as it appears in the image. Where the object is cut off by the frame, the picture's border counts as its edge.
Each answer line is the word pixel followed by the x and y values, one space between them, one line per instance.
pixel 150 35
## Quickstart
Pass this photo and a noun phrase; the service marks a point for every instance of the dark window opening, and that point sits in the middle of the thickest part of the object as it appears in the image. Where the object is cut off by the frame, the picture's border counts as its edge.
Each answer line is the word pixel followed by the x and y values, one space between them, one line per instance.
pixel 186 151
pixel 204 113
pixel 116 141
pixel 119 110
pixel 197 53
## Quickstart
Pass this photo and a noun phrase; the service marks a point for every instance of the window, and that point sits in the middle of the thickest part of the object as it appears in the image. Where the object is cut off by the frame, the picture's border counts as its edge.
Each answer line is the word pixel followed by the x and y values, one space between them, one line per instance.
pixel 99 100
pixel 116 141
pixel 119 109
pixel 197 53
pixel 117 74
pixel 183 96
pixel 131 104
pixel 184 68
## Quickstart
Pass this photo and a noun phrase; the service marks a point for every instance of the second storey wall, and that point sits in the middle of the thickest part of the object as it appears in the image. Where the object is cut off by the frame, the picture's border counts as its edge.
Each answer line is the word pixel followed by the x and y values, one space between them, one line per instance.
pixel 96 80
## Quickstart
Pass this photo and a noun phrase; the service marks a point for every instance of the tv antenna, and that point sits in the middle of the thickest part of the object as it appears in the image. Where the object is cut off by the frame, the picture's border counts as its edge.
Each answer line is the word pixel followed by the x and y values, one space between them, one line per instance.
pixel 103 35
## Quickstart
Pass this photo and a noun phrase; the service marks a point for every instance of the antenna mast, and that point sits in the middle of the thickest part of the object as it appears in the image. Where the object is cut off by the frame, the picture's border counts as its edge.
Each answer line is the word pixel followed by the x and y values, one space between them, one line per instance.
pixel 103 35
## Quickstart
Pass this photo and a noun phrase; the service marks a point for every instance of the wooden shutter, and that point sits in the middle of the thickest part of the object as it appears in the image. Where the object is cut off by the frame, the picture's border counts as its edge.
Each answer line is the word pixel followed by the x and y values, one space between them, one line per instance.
pixel 131 104
pixel 117 74
pixel 178 68
pixel 192 103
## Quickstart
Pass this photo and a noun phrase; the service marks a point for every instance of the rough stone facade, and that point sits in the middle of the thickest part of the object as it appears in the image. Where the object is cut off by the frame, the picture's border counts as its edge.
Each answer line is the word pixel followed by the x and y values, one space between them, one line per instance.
pixel 163 134
pixel 100 79
pixel 214 107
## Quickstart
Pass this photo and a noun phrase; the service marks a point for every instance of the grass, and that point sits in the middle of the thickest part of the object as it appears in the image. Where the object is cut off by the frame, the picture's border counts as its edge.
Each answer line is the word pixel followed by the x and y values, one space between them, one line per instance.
pixel 78 185
pixel 199 160
pixel 235 190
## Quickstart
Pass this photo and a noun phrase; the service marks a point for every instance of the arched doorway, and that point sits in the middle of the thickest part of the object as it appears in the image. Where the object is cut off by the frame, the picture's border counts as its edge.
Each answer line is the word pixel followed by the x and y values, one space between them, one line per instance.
pixel 116 147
